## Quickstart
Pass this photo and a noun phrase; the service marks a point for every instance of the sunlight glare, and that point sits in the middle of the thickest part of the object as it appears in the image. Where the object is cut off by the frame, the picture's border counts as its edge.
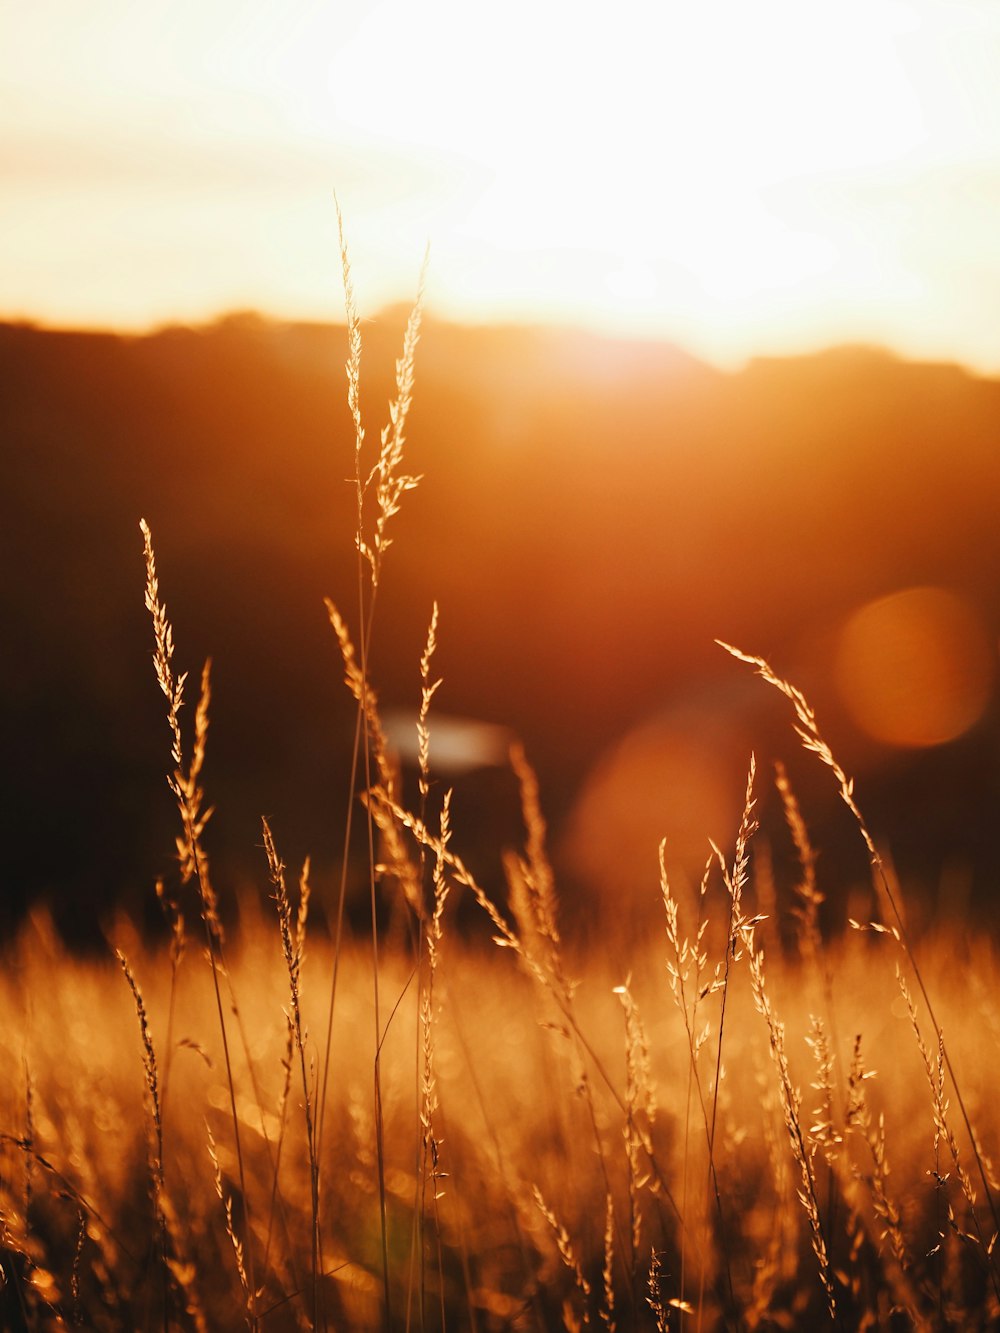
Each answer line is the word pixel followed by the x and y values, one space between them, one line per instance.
pixel 671 157
pixel 739 179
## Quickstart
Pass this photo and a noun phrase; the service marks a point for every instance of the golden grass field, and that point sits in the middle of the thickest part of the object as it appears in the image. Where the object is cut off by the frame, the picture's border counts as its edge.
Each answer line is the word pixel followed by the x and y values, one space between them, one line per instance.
pixel 727 1120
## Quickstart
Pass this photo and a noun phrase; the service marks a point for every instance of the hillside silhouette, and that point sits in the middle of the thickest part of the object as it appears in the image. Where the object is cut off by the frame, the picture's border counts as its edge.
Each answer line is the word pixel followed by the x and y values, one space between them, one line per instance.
pixel 593 515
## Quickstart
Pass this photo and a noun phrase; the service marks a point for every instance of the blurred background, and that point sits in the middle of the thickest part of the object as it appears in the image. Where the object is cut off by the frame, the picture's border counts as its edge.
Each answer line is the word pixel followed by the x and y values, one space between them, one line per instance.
pixel 710 352
pixel 592 516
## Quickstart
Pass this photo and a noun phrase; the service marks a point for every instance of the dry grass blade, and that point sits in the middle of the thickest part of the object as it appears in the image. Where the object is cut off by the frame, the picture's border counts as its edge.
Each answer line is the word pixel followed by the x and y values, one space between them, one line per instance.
pixel 812 740
pixel 566 1252
pixel 640 1101
pixel 607 1310
pixel 427 691
pixel 943 1131
pixel 791 1107
pixel 390 484
pixel 432 1173
pixel 149 1068
pixel 536 869
pixel 156 1157
pixel 185 784
pixel 227 1201
pixel 810 899
pixel 859 1121
pixel 353 336
pixel 735 881
pixel 292 927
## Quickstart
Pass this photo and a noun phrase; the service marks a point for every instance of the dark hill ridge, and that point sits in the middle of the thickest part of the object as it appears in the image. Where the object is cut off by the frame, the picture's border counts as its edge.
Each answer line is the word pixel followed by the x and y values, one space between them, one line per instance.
pixel 593 515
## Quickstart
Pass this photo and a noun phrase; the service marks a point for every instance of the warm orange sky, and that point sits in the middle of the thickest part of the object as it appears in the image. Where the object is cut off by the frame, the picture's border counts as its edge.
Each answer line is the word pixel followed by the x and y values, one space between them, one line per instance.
pixel 742 177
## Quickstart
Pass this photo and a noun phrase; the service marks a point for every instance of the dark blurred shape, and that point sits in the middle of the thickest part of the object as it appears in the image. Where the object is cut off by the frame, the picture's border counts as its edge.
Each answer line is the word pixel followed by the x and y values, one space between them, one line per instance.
pixel 593 515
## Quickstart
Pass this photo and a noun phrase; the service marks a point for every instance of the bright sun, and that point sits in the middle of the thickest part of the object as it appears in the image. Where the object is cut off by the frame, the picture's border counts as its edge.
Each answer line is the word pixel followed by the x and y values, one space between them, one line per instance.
pixel 741 177
pixel 684 161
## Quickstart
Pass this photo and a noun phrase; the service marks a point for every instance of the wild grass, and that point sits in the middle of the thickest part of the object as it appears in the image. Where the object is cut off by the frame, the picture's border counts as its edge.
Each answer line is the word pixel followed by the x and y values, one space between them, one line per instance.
pixel 508 1115
pixel 312 1127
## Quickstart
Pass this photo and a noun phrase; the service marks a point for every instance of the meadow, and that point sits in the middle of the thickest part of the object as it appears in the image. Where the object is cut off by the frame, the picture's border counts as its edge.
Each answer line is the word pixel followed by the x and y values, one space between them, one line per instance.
pixel 718 1115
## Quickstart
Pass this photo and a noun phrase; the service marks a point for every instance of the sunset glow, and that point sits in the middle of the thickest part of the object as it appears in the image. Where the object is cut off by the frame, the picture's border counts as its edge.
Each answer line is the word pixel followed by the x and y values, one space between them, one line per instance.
pixel 740 179
pixel 525 878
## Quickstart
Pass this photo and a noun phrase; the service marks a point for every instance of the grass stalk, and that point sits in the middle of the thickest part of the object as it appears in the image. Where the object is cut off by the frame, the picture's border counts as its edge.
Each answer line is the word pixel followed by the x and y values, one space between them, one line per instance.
pixel 293 946
pixel 184 782
pixel 807 729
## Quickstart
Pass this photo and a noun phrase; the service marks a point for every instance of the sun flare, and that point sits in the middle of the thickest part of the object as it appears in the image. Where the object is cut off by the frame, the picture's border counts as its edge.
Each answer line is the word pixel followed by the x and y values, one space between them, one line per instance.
pixel 739 178
pixel 700 177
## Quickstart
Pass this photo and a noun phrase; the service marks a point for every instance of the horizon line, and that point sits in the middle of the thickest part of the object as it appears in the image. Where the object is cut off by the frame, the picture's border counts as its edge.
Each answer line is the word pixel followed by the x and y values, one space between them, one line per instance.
pixel 397 311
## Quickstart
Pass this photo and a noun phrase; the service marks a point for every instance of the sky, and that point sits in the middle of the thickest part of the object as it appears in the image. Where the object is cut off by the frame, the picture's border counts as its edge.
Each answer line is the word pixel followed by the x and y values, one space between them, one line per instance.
pixel 740 176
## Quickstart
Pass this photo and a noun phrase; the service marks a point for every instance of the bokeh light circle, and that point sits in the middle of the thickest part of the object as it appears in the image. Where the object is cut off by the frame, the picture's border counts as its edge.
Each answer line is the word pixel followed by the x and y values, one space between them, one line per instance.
pixel 915 668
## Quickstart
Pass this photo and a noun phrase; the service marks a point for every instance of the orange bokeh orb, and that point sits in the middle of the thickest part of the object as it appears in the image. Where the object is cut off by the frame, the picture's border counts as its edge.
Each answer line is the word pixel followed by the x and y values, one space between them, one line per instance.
pixel 915 668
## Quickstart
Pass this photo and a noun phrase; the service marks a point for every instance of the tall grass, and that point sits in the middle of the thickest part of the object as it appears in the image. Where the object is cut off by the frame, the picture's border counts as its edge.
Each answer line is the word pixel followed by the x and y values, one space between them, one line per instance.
pixel 329 1129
